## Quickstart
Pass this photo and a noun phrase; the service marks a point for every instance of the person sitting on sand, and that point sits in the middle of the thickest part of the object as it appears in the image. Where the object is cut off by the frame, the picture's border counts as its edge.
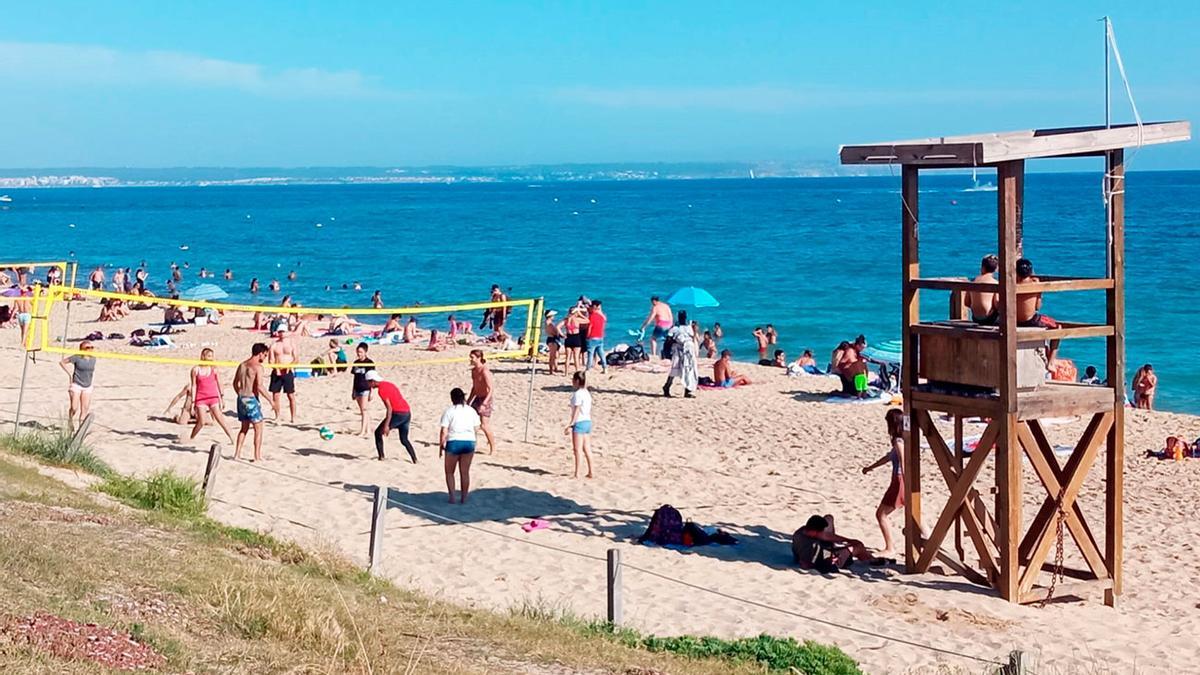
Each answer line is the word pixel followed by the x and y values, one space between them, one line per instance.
pixel 893 498
pixel 173 315
pixel 436 342
pixel 392 325
pixel 107 312
pixel 334 354
pixel 709 345
pixel 779 360
pixel 723 373
pixel 1144 384
pixel 410 330
pixel 1090 376
pixel 807 362
pixel 984 305
pixel 817 546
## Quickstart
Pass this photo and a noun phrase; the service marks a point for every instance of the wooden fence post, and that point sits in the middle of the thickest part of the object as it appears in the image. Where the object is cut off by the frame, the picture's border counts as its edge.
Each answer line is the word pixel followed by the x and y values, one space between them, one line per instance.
pixel 614 587
pixel 375 555
pixel 210 471
pixel 1016 664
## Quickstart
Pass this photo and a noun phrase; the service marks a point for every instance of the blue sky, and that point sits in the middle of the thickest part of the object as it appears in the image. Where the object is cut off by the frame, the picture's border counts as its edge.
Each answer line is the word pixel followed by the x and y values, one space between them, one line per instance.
pixel 149 84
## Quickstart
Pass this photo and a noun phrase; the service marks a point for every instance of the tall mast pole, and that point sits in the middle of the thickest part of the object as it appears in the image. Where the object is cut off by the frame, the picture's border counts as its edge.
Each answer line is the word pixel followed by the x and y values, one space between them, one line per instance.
pixel 1108 225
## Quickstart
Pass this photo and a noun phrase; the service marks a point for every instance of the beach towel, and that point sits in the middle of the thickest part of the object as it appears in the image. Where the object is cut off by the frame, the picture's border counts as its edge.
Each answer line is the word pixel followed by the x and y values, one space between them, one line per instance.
pixel 872 397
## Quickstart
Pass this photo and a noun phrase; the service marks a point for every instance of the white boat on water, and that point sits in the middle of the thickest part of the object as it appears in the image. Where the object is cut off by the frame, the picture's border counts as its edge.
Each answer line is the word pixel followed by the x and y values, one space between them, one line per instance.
pixel 976 187
pixel 5 198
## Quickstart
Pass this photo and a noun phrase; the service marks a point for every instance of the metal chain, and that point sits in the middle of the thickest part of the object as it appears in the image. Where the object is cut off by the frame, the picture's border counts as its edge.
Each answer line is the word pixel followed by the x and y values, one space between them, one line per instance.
pixel 1056 574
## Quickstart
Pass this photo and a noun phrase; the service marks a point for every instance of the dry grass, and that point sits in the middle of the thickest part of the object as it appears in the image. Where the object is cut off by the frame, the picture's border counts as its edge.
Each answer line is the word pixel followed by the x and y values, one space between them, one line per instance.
pixel 216 599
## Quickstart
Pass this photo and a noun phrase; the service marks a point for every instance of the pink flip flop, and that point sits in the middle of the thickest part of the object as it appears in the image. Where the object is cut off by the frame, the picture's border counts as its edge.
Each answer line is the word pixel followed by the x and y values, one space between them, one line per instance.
pixel 535 524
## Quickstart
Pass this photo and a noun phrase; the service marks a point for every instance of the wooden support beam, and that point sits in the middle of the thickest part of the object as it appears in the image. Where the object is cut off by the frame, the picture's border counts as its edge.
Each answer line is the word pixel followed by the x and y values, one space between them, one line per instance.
pixel 958 495
pixel 1068 481
pixel 1077 589
pixel 958 467
pixel 910 315
pixel 951 468
pixel 1046 284
pixel 965 405
pixel 1068 490
pixel 1114 497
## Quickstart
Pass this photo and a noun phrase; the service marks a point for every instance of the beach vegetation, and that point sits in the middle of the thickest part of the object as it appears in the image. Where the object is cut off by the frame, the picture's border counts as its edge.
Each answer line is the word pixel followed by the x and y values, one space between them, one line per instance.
pixel 207 596
pixel 57 446
pixel 163 491
pixel 775 655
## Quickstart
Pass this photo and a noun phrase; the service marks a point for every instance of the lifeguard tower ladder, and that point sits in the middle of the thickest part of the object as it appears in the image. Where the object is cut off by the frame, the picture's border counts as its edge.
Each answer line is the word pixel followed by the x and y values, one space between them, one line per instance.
pixel 968 370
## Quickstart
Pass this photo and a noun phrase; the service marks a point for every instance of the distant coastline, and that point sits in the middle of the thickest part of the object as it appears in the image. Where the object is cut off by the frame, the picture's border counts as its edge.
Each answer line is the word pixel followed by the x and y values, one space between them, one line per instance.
pixel 98 177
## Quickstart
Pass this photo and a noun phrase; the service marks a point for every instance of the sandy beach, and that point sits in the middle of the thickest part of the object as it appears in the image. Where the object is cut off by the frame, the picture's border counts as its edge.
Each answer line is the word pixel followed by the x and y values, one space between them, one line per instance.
pixel 755 461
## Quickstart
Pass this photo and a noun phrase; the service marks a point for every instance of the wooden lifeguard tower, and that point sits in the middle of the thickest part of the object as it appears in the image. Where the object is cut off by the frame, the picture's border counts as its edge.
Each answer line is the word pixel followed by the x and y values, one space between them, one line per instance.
pixel 968 370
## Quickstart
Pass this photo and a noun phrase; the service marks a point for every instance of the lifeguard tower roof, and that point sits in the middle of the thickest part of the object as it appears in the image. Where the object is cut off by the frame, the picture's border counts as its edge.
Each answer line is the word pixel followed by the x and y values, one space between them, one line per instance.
pixel 992 148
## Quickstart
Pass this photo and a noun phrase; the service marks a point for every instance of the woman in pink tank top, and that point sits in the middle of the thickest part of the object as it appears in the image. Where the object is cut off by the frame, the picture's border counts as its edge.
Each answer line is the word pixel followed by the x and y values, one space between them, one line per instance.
pixel 207 394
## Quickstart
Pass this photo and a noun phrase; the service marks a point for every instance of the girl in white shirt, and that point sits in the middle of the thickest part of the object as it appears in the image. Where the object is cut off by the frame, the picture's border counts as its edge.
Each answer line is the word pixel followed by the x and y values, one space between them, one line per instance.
pixel 580 428
pixel 457 442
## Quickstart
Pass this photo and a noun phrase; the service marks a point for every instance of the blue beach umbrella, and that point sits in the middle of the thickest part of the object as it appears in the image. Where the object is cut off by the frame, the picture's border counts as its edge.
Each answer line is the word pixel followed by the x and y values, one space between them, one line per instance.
pixel 204 292
pixel 695 297
pixel 890 351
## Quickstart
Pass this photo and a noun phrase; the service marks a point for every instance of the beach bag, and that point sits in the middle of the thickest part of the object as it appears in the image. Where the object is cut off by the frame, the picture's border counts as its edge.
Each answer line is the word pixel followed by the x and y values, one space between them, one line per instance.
pixel 94 335
pixel 694 535
pixel 666 527
pixel 668 347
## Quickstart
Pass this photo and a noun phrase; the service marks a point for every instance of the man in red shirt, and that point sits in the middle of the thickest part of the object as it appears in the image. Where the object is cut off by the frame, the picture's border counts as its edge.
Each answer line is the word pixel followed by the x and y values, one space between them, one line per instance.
pixel 397 414
pixel 595 337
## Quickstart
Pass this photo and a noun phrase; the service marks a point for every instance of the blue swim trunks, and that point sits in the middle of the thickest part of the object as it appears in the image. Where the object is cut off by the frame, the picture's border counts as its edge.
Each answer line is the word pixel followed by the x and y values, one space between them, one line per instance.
pixel 248 409
pixel 582 427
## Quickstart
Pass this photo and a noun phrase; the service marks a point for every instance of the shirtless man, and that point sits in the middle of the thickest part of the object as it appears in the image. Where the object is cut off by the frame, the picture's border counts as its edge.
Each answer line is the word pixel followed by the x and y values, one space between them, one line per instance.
pixel 723 373
pixel 984 306
pixel 96 279
pixel 247 382
pixel 1029 307
pixel 761 338
pixel 660 316
pixel 283 352
pixel 481 394
pixel 1144 384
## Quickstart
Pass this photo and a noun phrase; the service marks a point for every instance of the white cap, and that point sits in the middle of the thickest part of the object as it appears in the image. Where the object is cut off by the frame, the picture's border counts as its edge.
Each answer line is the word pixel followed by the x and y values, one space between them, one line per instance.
pixel 373 376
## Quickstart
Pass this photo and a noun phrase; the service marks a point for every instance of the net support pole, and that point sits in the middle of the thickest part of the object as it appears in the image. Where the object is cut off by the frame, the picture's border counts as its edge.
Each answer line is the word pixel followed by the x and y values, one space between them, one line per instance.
pixel 537 314
pixel 66 322
pixel 21 392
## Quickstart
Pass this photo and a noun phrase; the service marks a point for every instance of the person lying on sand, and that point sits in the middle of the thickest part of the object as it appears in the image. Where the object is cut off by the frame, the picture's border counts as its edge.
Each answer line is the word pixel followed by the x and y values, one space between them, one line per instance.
pixel 723 373
pixel 817 546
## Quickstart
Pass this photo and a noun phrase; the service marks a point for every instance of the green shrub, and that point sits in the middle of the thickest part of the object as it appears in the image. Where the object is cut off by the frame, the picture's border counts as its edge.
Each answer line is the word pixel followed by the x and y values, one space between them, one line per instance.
pixel 163 491
pixel 57 447
pixel 784 655
pixel 777 654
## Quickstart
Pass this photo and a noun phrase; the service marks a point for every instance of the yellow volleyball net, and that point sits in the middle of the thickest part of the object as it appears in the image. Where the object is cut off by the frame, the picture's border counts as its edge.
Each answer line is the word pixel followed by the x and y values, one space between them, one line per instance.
pixel 153 329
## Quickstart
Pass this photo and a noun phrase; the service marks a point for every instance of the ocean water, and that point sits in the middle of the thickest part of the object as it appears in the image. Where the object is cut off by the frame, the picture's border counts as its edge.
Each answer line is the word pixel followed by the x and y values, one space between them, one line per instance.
pixel 818 258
